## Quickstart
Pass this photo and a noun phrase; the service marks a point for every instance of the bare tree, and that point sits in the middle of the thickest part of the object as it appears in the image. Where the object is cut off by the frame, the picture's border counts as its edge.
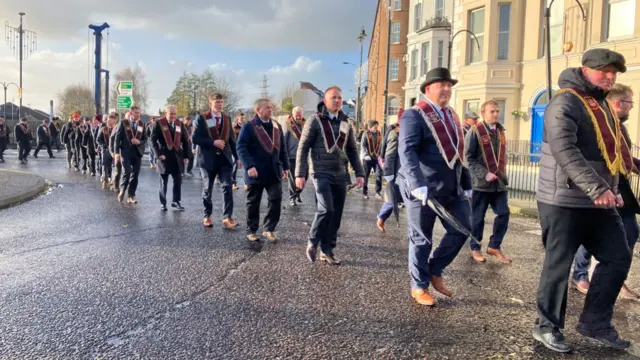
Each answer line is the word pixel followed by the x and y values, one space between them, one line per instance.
pixel 76 97
pixel 140 86
pixel 285 101
pixel 192 91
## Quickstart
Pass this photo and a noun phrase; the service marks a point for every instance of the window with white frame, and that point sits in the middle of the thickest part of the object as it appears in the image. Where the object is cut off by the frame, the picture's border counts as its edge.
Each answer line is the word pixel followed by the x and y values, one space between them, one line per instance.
pixel 472 106
pixel 502 105
pixel 440 52
pixel 414 64
pixel 439 8
pixel 476 25
pixel 393 69
pixel 424 67
pixel 504 11
pixel 417 17
pixel 620 21
pixel 393 106
pixel 397 5
pixel 556 21
pixel 395 32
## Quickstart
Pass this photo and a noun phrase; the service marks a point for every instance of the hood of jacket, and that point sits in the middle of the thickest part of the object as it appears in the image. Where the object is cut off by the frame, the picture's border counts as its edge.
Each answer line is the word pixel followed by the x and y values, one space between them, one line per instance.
pixel 573 78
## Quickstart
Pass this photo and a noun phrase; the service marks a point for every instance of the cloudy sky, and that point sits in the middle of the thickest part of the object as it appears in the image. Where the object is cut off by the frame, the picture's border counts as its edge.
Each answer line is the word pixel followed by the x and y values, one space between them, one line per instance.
pixel 288 40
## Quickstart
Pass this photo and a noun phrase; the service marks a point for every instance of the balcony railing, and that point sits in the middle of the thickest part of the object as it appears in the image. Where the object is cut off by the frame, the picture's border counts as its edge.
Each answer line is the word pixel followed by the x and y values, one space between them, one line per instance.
pixel 436 23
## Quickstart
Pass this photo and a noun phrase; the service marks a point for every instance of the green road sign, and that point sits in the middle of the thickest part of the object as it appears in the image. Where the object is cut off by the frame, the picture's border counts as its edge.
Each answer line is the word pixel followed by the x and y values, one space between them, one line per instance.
pixel 125 88
pixel 124 102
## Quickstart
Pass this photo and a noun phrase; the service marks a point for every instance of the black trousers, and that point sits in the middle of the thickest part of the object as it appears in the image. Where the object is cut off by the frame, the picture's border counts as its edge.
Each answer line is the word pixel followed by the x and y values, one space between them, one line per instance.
pixel 107 165
pixel 602 233
pixel 131 170
pixel 369 166
pixel 23 150
pixel 254 197
pixel 117 174
pixel 177 186
pixel 294 192
pixel 330 199
pixel 45 145
pixel 75 150
pixel 3 146
pixel 223 172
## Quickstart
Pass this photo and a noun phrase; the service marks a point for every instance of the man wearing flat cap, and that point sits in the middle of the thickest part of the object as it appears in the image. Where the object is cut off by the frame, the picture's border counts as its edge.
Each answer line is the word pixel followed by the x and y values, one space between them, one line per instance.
pixel 577 200
pixel 370 147
pixel 470 120
pixel 431 151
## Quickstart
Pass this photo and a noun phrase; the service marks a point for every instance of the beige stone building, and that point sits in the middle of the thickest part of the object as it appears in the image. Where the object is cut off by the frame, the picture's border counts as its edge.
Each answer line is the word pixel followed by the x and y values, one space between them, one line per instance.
pixel 373 100
pixel 510 66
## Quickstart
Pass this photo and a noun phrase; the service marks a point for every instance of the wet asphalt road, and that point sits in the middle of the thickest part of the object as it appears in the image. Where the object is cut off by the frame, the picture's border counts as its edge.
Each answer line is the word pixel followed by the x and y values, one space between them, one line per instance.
pixel 83 276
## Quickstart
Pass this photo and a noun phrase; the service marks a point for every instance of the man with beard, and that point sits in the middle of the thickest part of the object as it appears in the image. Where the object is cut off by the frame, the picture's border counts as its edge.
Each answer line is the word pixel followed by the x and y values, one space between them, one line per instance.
pixel 4 138
pixel 330 141
pixel 620 99
pixel 169 142
pixel 264 157
pixel 577 200
pixel 104 141
pixel 237 125
pixel 129 145
pixel 216 153
pixel 23 138
pixel 43 139
pixel 292 133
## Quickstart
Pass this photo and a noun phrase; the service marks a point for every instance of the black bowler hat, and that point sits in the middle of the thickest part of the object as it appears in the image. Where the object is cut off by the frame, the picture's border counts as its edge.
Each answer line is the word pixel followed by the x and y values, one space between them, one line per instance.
pixel 599 58
pixel 435 75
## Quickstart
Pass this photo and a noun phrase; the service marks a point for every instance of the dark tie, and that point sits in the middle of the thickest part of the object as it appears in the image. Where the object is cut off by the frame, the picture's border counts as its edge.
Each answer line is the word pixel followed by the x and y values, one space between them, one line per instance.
pixel 134 126
pixel 217 121
pixel 450 127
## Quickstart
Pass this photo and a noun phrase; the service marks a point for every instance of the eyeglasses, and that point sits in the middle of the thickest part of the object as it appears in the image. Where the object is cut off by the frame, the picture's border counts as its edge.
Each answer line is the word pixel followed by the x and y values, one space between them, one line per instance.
pixel 628 102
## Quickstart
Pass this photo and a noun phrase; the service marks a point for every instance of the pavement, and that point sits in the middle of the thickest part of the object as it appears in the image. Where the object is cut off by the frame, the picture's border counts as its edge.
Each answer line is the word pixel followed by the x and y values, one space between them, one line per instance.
pixel 83 276
pixel 17 186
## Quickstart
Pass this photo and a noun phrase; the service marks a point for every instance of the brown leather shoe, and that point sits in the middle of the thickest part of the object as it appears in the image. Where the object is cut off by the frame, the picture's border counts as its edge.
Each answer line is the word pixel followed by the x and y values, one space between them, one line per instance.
pixel 207 221
pixel 582 286
pixel 246 187
pixel 132 200
pixel 439 286
pixel 499 255
pixel 121 196
pixel 229 223
pixel 628 294
pixel 477 256
pixel 235 187
pixel 329 259
pixel 423 297
pixel 380 225
pixel 253 237
pixel 270 235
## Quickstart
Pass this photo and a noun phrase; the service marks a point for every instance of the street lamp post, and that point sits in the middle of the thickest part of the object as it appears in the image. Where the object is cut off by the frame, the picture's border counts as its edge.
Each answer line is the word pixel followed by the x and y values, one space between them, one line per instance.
pixel 19 40
pixel 4 108
pixel 547 15
pixel 386 81
pixel 361 38
pixel 451 44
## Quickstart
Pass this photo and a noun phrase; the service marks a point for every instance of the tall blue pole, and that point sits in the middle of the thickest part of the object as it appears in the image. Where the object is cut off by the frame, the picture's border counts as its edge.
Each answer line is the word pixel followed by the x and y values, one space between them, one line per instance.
pixel 97 31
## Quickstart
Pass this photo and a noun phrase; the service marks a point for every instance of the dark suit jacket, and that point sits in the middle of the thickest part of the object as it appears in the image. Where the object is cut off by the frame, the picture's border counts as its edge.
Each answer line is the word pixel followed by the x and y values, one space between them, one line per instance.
pixel 174 158
pixel 207 154
pixel 44 136
pixel 122 144
pixel 391 159
pixel 269 165
pixel 421 163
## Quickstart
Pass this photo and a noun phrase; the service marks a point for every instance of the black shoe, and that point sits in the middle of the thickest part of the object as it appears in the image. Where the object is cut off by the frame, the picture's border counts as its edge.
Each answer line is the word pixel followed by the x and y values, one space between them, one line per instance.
pixel 292 203
pixel 329 259
pixel 312 250
pixel 52 157
pixel 552 341
pixel 163 207
pixel 299 200
pixel 608 336
pixel 176 204
pixel 35 156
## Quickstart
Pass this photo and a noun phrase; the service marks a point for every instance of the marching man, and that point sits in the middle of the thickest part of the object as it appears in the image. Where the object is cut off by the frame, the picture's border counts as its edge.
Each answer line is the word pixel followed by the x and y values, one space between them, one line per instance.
pixel 129 145
pixel 485 152
pixel 292 133
pixel 431 149
pixel 371 146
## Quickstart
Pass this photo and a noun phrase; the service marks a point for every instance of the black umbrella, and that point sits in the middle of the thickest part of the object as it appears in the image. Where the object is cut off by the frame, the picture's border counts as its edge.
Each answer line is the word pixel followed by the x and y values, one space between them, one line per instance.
pixel 391 191
pixel 450 219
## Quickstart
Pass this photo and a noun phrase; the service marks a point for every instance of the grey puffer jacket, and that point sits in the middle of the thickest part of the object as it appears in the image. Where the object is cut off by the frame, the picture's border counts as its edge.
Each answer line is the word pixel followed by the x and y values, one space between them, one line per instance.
pixel 331 165
pixel 573 172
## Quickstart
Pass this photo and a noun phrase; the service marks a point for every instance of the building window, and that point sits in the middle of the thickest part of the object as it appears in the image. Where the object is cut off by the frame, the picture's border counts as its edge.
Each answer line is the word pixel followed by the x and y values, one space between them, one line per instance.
pixel 414 64
pixel 393 106
pixel 620 19
pixel 556 26
pixel 395 33
pixel 393 69
pixel 439 8
pixel 424 68
pixel 476 25
pixel 417 20
pixel 502 106
pixel 440 52
pixel 472 106
pixel 397 5
pixel 503 31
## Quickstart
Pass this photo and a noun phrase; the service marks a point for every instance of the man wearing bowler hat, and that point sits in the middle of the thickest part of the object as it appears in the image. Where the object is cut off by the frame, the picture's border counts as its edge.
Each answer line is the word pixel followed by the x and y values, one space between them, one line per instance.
pixel 578 199
pixel 431 150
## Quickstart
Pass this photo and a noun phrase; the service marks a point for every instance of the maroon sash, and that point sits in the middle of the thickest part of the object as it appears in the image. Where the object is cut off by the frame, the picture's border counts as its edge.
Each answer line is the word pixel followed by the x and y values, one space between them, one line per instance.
pixel 495 164
pixel 46 129
pixel 450 151
pixel 293 127
pixel 25 128
pixel 266 142
pixel 129 131
pixel 56 125
pixel 374 152
pixel 174 143
pixel 330 140
pixel 213 130
pixel 3 130
pixel 608 139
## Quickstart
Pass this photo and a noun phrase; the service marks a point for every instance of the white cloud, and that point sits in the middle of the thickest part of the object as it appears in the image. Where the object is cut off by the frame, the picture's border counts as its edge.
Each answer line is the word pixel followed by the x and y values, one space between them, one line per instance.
pixel 172 62
pixel 302 65
pixel 170 36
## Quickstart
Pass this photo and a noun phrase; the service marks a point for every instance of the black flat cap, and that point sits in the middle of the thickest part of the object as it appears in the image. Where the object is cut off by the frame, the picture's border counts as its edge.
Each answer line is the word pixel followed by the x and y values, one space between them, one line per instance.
pixel 599 58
